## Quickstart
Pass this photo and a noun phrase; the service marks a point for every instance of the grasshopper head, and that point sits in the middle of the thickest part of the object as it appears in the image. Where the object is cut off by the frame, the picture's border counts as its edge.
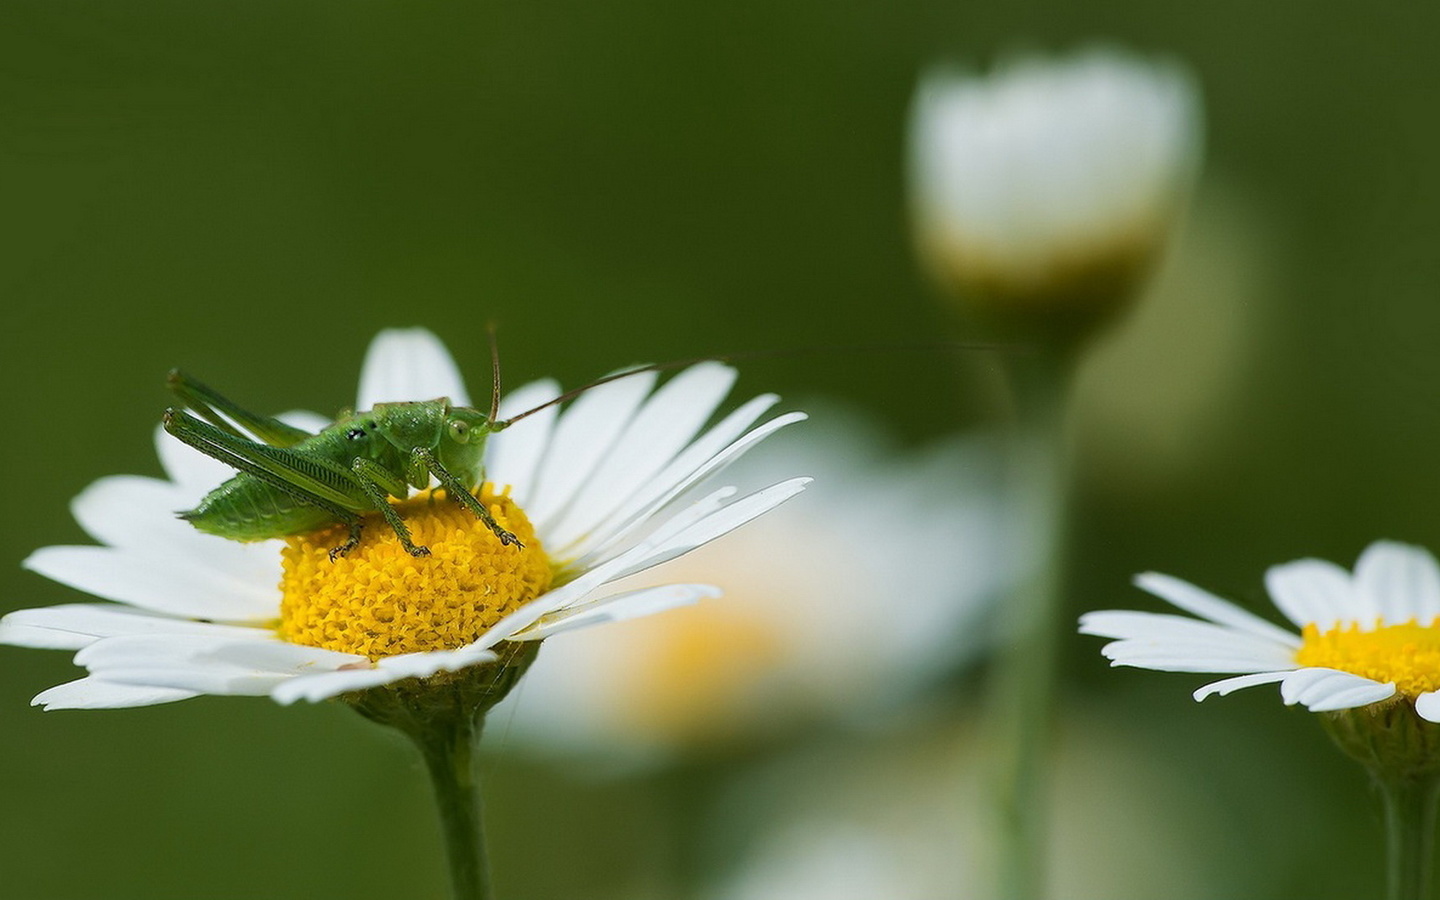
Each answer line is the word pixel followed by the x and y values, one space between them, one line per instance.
pixel 462 443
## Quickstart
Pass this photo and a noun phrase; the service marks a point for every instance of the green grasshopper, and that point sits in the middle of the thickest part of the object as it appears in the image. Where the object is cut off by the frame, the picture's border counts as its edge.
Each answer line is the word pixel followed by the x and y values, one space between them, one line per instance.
pixel 292 482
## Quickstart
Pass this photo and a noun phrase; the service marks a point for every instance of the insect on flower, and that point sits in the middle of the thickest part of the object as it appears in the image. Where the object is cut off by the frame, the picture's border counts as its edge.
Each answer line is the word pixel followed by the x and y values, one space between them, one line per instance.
pixel 606 487
pixel 292 482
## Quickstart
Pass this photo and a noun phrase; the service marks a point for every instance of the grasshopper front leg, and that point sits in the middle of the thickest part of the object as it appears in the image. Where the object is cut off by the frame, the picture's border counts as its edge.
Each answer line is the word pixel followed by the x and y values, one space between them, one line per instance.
pixel 460 493
pixel 379 484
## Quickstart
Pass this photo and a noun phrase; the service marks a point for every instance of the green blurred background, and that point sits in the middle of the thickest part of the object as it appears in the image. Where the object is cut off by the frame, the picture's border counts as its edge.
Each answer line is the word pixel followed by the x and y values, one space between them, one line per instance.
pixel 251 189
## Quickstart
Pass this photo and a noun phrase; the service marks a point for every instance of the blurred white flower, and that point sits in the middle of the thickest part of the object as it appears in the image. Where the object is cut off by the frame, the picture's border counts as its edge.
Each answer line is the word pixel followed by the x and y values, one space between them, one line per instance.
pixel 825 860
pixel 1048 186
pixel 904 817
pixel 835 609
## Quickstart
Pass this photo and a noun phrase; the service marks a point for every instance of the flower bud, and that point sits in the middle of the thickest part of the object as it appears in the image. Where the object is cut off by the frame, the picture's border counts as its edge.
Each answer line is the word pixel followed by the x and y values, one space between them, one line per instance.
pixel 1042 193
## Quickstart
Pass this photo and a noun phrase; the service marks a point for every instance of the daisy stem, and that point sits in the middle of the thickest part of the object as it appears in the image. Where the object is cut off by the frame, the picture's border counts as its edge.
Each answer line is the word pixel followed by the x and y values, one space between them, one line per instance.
pixel 448 753
pixel 1023 680
pixel 444 715
pixel 1409 833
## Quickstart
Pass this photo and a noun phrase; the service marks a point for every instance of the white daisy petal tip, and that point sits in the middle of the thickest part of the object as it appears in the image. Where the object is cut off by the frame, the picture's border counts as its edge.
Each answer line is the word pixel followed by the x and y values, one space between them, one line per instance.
pixel 1427 706
pixel 93 693
pixel 1230 685
pixel 404 364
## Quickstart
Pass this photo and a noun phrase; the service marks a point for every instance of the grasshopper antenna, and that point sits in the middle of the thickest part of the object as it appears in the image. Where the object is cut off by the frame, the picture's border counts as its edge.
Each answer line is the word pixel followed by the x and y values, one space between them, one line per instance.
pixel 734 357
pixel 494 372
pixel 616 376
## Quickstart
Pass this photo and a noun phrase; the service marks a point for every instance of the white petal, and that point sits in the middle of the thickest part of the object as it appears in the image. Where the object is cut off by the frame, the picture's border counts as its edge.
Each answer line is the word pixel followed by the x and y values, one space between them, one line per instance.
pixel 250 646
pixel 1125 623
pixel 312 422
pixel 1206 605
pixel 708 455
pixel 1313 591
pixel 1401 580
pixel 75 625
pixel 617 608
pixel 1428 706
pixel 128 510
pixel 177 585
pixel 322 686
pixel 667 422
pixel 405 364
pixel 1229 685
pixel 513 455
pixel 1349 698
pixel 194 472
pixel 1177 644
pixel 1196 657
pixel 325 685
pixel 1324 690
pixel 138 515
pixel 92 693
pixel 423 665
pixel 583 435
pixel 709 528
pixel 220 663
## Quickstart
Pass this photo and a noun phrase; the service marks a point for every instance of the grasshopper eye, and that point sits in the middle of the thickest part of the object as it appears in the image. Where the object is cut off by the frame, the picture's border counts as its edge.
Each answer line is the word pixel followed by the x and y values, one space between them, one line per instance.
pixel 459 431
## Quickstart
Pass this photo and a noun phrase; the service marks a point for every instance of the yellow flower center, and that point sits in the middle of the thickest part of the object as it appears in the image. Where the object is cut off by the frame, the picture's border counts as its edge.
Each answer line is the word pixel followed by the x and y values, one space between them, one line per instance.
pixel 380 601
pixel 1407 654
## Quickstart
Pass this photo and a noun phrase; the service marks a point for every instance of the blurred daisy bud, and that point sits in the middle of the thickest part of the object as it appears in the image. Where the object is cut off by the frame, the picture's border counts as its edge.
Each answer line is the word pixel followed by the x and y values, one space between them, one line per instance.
pixel 1042 193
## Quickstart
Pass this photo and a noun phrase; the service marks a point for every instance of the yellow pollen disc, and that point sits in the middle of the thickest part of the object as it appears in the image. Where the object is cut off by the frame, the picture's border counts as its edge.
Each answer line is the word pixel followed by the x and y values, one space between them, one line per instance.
pixel 380 601
pixel 1407 654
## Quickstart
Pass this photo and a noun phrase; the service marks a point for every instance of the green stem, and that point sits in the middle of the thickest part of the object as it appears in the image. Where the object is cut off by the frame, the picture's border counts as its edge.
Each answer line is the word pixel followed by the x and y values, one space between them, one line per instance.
pixel 1023 688
pixel 1409 834
pixel 448 753
pixel 444 715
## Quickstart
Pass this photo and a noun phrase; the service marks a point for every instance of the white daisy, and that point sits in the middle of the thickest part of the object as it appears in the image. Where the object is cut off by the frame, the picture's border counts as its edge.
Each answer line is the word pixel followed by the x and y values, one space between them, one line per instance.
pixel 889 563
pixel 597 492
pixel 1364 637
pixel 1048 181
